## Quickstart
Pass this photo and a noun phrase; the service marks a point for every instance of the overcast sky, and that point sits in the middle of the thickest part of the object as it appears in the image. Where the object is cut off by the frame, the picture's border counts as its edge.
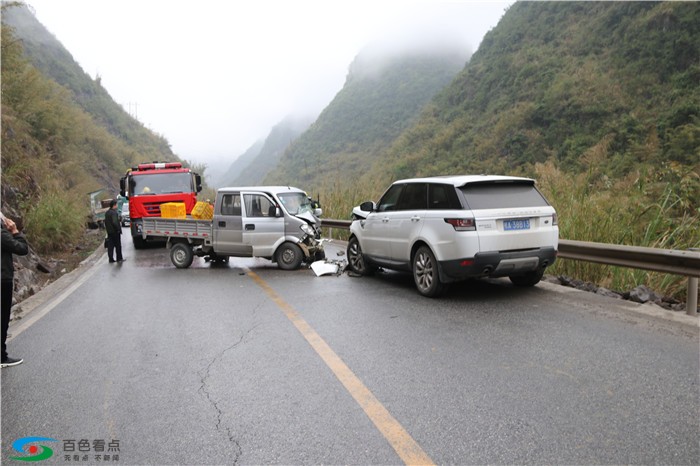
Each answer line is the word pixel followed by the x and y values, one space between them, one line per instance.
pixel 214 77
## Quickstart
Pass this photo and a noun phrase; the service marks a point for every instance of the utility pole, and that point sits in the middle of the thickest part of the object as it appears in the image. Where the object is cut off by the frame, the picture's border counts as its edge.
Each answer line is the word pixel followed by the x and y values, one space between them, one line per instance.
pixel 135 112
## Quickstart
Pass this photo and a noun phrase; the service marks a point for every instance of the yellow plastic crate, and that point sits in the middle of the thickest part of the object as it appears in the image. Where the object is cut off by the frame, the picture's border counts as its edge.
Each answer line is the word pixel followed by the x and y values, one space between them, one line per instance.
pixel 203 211
pixel 173 210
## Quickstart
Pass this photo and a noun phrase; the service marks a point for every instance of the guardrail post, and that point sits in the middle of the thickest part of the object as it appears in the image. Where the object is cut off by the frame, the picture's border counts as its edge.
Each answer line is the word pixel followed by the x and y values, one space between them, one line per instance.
pixel 691 306
pixel 692 303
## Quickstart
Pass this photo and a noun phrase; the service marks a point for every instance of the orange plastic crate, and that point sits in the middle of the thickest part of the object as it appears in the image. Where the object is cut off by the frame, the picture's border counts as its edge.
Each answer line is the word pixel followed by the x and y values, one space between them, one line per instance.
pixel 173 210
pixel 203 211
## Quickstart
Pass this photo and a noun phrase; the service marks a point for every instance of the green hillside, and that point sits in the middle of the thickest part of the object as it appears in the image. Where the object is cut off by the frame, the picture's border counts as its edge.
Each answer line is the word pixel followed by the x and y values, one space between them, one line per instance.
pixel 381 98
pixel 556 79
pixel 62 135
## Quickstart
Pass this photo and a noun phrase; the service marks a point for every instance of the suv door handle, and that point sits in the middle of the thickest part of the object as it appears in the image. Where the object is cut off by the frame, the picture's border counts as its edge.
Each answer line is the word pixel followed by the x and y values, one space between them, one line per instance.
pixel 415 219
pixel 385 219
pixel 250 226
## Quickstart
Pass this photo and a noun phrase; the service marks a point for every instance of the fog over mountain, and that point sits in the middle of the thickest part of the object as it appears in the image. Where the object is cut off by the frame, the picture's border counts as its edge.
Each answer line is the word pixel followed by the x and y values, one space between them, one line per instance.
pixel 214 79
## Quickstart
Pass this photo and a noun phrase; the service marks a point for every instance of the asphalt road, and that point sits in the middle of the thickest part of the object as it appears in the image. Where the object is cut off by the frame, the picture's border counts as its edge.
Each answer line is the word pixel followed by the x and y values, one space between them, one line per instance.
pixel 248 364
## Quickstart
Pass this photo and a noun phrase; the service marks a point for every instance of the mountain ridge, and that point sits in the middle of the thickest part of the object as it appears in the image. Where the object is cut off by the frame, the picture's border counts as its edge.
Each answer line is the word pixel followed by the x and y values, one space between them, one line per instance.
pixel 554 80
pixel 380 98
pixel 252 167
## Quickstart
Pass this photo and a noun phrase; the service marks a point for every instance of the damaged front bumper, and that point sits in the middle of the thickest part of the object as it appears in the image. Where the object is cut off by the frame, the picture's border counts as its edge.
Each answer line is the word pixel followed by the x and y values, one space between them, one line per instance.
pixel 313 248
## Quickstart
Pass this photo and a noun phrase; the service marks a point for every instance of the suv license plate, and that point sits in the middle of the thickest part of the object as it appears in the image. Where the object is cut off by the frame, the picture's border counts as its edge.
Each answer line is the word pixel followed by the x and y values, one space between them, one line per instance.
pixel 509 225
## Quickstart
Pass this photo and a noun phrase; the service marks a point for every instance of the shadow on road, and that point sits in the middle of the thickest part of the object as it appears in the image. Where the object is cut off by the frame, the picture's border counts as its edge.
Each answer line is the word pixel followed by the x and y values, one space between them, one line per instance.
pixel 482 289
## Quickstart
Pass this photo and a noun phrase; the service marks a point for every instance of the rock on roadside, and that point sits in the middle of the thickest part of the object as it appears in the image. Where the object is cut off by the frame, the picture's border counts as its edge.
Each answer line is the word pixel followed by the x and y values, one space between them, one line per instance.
pixel 640 294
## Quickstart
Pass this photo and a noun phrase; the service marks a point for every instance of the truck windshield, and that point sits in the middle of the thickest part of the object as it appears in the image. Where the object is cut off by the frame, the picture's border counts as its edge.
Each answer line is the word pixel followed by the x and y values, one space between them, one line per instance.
pixel 161 183
pixel 296 203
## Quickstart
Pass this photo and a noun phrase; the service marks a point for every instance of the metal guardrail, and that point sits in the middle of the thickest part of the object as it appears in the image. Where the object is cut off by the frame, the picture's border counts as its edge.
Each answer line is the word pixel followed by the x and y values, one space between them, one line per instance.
pixel 686 263
pixel 339 224
pixel 671 261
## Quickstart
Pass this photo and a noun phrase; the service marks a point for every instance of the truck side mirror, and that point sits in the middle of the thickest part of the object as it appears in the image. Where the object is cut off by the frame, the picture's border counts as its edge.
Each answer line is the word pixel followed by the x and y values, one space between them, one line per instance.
pixel 122 187
pixel 198 182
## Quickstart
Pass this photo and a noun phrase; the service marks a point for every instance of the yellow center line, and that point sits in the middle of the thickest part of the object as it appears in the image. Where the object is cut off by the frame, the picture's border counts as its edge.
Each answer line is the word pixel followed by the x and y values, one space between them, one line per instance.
pixel 408 450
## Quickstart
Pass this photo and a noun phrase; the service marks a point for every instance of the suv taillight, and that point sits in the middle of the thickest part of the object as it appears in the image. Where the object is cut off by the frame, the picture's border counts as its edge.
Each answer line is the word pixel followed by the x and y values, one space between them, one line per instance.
pixel 462 224
pixel 555 219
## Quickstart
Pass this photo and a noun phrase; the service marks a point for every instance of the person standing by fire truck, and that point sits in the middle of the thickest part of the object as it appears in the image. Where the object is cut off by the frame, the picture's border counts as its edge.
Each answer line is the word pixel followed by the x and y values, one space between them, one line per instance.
pixel 114 233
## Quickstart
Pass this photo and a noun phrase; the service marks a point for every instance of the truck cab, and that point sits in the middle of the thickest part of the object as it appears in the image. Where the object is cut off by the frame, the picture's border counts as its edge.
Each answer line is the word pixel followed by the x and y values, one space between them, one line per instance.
pixel 149 185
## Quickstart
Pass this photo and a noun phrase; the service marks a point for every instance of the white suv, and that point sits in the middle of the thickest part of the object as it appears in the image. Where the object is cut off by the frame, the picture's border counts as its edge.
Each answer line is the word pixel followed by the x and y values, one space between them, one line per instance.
pixel 445 229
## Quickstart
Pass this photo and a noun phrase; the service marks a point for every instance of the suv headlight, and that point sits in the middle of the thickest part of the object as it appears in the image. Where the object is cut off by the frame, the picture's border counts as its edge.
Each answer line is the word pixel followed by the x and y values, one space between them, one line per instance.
pixel 306 228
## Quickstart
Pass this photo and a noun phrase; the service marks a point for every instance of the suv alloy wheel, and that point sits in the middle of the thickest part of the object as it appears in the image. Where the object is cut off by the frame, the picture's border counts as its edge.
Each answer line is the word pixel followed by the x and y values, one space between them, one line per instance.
pixel 355 260
pixel 425 273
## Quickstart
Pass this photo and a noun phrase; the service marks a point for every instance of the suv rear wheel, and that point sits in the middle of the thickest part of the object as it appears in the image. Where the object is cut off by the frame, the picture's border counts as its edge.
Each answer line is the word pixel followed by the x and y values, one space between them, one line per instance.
pixel 425 273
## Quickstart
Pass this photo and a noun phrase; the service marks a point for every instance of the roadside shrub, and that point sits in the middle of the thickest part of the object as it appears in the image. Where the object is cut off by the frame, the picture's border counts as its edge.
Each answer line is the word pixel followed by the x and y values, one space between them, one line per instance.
pixel 656 208
pixel 54 223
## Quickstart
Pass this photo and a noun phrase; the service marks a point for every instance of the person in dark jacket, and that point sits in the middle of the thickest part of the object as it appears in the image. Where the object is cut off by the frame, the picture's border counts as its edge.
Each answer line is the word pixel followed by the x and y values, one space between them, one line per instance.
pixel 13 242
pixel 114 233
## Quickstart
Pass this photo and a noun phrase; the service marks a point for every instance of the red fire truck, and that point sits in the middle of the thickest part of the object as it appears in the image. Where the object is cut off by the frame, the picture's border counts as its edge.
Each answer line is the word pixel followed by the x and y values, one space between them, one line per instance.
pixel 149 185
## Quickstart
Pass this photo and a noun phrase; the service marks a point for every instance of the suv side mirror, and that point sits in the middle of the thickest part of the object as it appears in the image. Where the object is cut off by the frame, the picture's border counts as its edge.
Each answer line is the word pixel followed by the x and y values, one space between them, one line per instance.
pixel 368 206
pixel 318 212
pixel 278 212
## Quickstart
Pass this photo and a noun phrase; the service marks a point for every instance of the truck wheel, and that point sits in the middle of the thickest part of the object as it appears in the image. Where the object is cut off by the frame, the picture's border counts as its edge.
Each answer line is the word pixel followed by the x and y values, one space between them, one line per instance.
pixel 139 242
pixel 289 256
pixel 181 255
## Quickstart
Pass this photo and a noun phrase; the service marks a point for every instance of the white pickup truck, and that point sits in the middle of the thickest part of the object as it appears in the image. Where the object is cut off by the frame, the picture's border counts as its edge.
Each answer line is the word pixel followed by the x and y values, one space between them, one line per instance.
pixel 278 223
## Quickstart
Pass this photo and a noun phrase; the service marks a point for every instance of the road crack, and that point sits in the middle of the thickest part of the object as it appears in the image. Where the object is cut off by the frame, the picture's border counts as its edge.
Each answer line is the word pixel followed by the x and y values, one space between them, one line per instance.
pixel 204 389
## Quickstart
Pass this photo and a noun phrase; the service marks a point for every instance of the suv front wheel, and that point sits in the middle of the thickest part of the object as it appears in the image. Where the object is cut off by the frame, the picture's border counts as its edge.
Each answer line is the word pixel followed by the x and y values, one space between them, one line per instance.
pixel 425 273
pixel 356 260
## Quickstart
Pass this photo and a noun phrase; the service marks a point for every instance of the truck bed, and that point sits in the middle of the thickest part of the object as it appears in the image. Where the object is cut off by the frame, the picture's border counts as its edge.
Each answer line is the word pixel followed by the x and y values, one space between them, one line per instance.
pixel 175 227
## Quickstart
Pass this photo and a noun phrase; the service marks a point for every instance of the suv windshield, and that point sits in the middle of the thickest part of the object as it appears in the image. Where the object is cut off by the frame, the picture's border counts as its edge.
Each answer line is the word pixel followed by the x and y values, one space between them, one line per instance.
pixel 296 203
pixel 502 195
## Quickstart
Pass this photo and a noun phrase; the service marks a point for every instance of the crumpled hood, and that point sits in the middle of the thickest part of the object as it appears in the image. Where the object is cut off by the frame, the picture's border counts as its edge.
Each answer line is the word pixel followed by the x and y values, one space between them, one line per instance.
pixel 309 217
